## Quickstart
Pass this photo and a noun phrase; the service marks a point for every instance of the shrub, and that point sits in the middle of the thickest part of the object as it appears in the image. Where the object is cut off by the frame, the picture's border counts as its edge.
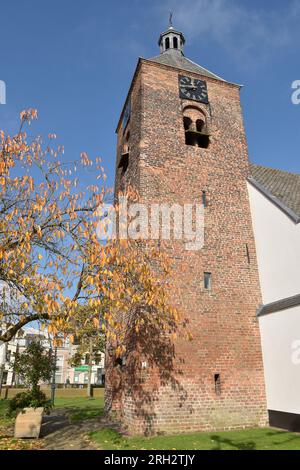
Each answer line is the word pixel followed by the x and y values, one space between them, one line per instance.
pixel 36 399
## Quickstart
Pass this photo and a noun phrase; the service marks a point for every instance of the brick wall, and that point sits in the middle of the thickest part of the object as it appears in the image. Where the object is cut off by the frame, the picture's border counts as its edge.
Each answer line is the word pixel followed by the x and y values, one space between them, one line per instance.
pixel 223 319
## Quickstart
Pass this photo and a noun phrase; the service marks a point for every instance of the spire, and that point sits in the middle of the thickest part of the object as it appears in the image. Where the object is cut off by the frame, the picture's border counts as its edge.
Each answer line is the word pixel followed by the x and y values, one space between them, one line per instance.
pixel 171 41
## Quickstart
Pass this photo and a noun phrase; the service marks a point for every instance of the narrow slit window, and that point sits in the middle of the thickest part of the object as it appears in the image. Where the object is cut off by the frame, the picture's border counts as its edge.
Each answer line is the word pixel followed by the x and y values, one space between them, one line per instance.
pixel 204 199
pixel 124 162
pixel 217 379
pixel 248 253
pixel 207 281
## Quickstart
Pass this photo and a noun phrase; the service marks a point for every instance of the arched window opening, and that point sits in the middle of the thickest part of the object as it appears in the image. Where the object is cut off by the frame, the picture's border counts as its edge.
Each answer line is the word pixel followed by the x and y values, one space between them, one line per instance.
pixel 187 122
pixel 200 125
pixel 195 128
pixel 167 43
pixel 175 43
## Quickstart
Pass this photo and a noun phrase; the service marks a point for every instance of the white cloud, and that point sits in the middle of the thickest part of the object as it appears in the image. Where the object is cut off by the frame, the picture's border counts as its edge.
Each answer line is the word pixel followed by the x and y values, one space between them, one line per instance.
pixel 246 32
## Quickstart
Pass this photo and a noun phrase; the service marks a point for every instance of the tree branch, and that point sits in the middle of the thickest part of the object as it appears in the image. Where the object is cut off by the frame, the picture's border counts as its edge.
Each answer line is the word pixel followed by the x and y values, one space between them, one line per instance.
pixel 13 330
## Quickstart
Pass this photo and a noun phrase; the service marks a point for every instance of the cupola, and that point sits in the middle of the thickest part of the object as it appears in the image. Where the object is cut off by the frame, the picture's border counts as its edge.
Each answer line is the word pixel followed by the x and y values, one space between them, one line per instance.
pixel 171 40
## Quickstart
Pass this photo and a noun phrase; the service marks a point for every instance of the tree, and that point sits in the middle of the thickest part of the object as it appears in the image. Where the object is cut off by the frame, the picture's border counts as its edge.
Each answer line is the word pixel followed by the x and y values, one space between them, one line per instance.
pixel 51 261
pixel 44 223
pixel 35 364
pixel 90 341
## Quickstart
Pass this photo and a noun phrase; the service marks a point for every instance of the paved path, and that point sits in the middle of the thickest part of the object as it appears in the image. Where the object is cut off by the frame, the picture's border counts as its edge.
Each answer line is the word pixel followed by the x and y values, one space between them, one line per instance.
pixel 59 434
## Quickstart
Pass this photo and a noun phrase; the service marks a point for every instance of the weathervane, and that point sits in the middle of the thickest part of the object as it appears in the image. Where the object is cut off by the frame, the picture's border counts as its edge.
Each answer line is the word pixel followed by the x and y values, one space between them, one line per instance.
pixel 171 20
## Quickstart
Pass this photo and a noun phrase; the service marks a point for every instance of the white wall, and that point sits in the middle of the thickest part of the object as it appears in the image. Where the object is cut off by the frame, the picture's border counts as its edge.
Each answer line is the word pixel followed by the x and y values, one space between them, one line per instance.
pixel 280 335
pixel 278 248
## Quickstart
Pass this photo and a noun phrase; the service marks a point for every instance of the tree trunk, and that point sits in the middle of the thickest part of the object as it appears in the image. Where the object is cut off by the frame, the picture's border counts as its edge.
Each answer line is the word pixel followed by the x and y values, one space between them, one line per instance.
pixel 53 384
pixel 2 367
pixel 89 384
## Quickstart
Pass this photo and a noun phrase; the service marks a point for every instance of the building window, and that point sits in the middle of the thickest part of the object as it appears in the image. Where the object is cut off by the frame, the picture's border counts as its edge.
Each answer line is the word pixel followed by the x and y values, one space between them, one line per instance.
pixel 204 199
pixel 217 379
pixel 119 362
pixel 187 123
pixel 167 43
pixel 207 281
pixel 4 377
pixel 175 43
pixel 98 359
pixel 124 162
pixel 200 125
pixel 126 144
pixel 195 127
pixel 248 253
pixel 8 355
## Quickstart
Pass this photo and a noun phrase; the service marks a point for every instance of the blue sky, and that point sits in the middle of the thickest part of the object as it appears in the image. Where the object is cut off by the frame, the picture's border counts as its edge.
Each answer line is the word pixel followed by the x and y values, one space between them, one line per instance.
pixel 74 60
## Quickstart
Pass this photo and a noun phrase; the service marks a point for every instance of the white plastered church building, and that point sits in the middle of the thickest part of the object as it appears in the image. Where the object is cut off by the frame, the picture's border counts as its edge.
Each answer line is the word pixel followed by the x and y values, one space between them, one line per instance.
pixel 275 207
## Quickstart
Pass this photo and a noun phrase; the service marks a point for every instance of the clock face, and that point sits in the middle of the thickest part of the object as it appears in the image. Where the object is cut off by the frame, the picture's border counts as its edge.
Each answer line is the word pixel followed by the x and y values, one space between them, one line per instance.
pixel 192 89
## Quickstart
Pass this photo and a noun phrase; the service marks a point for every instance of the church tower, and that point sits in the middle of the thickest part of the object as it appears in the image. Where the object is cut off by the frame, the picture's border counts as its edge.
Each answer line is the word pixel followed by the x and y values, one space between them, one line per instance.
pixel 181 139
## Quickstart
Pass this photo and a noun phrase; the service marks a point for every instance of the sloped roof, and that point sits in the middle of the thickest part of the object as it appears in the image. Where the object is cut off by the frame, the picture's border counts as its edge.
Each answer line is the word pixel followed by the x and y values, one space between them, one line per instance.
pixel 179 61
pixel 280 186
pixel 279 305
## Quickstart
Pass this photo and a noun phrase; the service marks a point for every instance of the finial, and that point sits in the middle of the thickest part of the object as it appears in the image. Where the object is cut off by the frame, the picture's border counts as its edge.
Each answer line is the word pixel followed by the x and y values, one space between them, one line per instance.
pixel 171 20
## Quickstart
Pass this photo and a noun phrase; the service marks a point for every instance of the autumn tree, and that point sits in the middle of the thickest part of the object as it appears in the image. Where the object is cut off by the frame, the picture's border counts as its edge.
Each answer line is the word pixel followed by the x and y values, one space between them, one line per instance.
pixel 90 340
pixel 45 220
pixel 52 263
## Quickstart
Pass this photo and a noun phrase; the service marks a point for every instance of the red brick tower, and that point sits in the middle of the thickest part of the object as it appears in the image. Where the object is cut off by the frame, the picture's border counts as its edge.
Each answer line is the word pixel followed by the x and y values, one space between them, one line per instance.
pixel 181 139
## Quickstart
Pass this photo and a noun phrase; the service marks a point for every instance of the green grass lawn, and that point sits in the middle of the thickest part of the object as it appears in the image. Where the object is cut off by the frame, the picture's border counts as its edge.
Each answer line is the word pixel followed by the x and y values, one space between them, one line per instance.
pixel 81 408
pixel 250 439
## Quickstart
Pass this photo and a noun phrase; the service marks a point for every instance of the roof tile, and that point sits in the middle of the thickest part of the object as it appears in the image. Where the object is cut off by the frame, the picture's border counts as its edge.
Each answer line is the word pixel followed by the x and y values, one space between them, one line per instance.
pixel 281 184
pixel 176 59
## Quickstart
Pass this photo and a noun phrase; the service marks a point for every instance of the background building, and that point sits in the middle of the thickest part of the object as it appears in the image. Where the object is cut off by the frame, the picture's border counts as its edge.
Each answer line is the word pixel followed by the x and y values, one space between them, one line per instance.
pixel 275 206
pixel 65 374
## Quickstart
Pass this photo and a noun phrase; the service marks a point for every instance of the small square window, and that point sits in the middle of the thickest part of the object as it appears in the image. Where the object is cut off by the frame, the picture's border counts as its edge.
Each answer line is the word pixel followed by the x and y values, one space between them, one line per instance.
pixel 207 281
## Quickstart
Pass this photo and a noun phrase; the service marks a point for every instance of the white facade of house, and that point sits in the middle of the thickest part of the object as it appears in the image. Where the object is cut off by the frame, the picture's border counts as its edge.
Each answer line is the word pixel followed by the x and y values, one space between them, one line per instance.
pixel 277 238
pixel 280 336
pixel 65 373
